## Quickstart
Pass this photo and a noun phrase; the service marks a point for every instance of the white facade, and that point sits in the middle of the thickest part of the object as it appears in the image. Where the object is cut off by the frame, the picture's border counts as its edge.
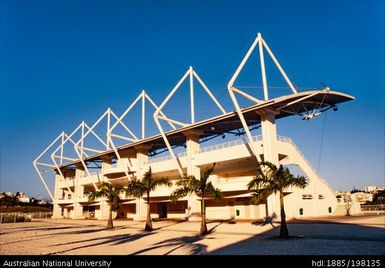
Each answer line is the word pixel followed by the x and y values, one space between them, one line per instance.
pixel 235 160
pixel 234 169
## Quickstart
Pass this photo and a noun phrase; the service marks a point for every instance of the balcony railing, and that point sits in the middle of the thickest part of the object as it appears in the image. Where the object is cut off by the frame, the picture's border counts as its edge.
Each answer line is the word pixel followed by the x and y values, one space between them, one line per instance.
pixel 165 158
pixel 207 149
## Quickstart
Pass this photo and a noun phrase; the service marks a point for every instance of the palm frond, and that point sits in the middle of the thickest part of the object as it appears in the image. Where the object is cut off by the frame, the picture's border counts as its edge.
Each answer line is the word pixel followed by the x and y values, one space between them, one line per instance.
pixel 299 182
pixel 136 188
pixel 208 171
pixel 109 191
pixel 272 179
pixel 213 192
pixel 257 183
pixel 190 184
pixel 267 167
pixel 260 196
pixel 160 182
pixel 179 193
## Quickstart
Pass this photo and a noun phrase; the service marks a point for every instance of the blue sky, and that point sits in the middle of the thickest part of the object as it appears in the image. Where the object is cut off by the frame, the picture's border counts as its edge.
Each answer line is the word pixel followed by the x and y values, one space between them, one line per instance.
pixel 67 61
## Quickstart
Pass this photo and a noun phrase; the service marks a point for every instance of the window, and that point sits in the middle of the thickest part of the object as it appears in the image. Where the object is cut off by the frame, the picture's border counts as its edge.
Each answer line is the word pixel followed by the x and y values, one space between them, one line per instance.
pixel 307 196
pixel 321 196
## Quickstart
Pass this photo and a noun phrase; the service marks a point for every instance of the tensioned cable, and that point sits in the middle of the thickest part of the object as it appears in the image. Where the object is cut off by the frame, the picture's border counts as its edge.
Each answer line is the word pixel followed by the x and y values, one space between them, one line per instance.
pixel 322 142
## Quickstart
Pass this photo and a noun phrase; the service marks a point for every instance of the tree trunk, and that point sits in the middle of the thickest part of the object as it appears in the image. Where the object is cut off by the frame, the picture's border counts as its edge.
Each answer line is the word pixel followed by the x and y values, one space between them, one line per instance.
pixel 284 232
pixel 110 224
pixel 148 227
pixel 203 230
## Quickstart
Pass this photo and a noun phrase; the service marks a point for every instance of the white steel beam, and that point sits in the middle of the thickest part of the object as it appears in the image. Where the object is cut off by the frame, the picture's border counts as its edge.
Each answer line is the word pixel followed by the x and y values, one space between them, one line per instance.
pixel 244 124
pixel 119 120
pixel 44 164
pixel 243 62
pixel 178 164
pixel 156 107
pixel 172 121
pixel 247 96
pixel 191 72
pixel 43 181
pixel 126 167
pixel 143 96
pixel 279 67
pixel 53 155
pixel 36 164
pixel 209 92
pixel 143 114
pixel 64 158
pixel 62 150
pixel 122 137
pixel 232 89
pixel 263 71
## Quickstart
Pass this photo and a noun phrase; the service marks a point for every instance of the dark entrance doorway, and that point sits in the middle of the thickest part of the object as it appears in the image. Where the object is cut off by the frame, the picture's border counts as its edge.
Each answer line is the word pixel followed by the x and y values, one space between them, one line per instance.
pixel 162 210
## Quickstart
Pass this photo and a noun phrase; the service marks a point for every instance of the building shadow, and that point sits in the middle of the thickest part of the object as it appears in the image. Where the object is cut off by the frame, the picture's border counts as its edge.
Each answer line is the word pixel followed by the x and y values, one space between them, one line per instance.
pixel 326 238
pixel 187 242
pixel 173 222
pixel 111 240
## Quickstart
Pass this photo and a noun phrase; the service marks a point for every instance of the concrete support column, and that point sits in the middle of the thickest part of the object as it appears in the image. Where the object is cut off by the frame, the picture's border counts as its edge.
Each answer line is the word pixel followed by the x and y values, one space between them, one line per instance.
pixel 78 193
pixel 141 168
pixel 104 211
pixel 78 211
pixel 79 189
pixel 141 210
pixel 192 148
pixel 270 153
pixel 56 214
pixel 128 157
pixel 106 164
pixel 66 213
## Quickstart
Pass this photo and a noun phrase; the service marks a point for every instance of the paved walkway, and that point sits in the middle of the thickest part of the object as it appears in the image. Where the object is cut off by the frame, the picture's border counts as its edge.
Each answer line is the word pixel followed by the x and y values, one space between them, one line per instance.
pixel 327 236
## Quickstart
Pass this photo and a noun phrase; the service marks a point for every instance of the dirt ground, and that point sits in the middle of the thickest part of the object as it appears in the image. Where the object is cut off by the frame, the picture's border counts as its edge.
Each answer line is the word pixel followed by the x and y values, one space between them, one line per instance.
pixel 361 235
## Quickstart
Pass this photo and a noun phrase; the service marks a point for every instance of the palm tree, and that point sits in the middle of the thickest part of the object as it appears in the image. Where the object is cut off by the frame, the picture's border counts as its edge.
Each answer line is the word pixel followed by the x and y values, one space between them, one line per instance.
pixel 202 188
pixel 112 193
pixel 148 184
pixel 272 179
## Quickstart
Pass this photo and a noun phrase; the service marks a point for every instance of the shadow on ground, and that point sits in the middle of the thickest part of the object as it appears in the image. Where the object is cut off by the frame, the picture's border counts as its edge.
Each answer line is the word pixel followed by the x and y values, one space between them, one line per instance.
pixel 319 238
pixel 188 243
pixel 112 240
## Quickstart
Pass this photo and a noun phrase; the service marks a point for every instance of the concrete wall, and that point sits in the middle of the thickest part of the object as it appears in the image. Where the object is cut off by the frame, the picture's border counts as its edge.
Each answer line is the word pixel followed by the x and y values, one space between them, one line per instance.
pixel 235 168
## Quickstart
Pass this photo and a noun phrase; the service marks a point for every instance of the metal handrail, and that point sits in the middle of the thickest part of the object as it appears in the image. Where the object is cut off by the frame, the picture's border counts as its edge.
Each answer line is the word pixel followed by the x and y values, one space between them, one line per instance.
pixel 165 158
pixel 207 149
pixel 228 145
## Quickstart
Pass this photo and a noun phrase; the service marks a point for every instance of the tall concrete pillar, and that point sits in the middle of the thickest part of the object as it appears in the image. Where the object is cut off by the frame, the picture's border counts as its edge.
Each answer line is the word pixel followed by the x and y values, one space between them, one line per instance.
pixel 104 211
pixel 78 193
pixel 270 153
pixel 106 164
pixel 78 211
pixel 141 168
pixel 192 148
pixel 56 214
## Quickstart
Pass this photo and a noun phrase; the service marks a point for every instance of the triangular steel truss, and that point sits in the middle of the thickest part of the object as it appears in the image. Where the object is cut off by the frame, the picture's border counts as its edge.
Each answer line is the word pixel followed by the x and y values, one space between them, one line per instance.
pixel 232 89
pixel 143 96
pixel 157 115
pixel 108 142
